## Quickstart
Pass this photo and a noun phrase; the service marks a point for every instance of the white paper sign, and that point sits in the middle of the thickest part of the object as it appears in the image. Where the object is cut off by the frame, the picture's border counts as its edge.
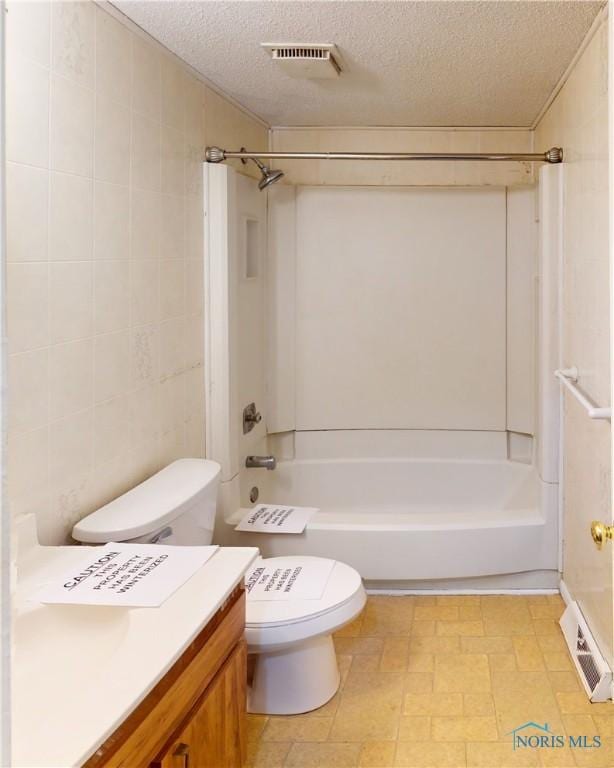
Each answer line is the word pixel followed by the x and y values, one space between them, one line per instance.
pixel 276 518
pixel 134 575
pixel 286 580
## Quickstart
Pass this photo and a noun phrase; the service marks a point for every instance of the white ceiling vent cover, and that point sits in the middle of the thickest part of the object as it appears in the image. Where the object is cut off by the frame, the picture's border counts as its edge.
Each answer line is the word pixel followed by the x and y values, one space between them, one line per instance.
pixel 594 673
pixel 306 61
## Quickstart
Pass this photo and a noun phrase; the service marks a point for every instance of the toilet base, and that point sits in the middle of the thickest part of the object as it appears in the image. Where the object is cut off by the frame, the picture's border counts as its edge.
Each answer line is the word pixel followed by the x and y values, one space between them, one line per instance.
pixel 298 679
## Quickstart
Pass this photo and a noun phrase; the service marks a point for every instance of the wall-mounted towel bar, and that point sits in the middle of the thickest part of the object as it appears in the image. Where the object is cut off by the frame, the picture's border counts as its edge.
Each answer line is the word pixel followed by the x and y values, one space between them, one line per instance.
pixel 568 378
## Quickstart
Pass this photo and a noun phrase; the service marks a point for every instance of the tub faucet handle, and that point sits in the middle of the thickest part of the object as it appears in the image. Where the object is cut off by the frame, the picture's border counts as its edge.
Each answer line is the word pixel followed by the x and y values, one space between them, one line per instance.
pixel 251 417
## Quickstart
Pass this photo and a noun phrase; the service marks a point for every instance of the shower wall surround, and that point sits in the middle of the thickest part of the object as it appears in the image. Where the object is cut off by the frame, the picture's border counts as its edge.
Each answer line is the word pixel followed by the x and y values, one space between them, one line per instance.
pixel 106 131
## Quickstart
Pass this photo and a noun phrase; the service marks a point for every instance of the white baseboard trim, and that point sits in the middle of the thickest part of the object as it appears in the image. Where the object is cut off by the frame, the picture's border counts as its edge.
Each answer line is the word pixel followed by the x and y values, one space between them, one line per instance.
pixel 435 592
pixel 565 593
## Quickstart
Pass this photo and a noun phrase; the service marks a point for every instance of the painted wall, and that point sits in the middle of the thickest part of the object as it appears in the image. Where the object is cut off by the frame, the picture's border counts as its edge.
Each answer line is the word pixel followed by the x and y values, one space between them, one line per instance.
pixel 106 134
pixel 343 172
pixel 578 121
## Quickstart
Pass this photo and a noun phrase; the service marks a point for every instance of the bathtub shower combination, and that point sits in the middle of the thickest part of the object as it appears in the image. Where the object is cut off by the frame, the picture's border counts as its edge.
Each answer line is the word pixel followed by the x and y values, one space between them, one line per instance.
pixel 397 359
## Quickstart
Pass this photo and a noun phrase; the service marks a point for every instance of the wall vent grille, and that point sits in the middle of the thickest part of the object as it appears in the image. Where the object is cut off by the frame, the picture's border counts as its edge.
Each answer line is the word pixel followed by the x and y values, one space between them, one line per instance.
pixel 595 674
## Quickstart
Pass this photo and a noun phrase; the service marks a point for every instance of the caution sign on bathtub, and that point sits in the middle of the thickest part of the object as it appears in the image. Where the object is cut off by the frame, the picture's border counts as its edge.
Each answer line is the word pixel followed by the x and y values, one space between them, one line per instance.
pixel 276 518
pixel 285 579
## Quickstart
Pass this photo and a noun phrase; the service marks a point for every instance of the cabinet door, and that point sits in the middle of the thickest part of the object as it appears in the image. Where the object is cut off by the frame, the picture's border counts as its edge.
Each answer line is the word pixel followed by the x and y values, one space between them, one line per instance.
pixel 213 734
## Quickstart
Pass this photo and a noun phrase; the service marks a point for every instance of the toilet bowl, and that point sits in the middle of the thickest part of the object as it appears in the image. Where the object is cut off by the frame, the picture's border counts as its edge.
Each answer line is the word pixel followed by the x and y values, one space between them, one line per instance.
pixel 292 656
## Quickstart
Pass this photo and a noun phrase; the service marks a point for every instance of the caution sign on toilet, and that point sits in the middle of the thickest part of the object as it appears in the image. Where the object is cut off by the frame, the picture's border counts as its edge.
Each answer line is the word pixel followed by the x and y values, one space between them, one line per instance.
pixel 287 579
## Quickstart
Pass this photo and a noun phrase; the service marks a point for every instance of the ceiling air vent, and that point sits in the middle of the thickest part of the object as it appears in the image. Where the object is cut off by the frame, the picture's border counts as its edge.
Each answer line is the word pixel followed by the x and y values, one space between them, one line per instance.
pixel 299 60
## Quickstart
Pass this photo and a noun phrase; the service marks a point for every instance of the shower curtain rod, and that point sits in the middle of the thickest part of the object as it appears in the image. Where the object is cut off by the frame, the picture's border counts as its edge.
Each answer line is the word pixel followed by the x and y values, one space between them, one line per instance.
pixel 553 155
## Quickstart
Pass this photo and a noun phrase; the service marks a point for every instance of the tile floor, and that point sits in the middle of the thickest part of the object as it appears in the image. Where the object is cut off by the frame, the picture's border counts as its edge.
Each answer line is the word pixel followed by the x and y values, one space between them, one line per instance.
pixel 438 682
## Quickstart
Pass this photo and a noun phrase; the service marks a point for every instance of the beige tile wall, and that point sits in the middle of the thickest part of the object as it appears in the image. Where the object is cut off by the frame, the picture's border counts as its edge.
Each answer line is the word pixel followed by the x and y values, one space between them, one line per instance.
pixel 578 120
pixel 105 137
pixel 430 173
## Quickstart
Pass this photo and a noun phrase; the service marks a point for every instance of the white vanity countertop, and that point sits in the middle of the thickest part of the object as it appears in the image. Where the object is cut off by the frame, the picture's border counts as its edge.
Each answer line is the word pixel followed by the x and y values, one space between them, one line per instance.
pixel 79 671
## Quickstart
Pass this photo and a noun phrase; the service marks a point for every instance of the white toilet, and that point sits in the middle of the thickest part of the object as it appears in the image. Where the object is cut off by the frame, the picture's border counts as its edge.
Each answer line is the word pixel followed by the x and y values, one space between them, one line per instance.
pixel 293 662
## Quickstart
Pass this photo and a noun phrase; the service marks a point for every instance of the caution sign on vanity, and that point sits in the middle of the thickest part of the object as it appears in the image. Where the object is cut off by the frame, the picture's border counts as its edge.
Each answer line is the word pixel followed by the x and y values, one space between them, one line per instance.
pixel 129 575
pixel 276 518
pixel 287 579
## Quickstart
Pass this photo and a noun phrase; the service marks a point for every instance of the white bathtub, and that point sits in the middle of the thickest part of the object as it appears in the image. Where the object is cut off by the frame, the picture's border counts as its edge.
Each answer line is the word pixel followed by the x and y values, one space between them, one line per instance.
pixel 404 519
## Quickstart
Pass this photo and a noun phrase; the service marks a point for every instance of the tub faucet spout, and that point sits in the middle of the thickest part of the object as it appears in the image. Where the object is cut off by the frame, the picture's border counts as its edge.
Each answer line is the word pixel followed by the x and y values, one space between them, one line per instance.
pixel 261 462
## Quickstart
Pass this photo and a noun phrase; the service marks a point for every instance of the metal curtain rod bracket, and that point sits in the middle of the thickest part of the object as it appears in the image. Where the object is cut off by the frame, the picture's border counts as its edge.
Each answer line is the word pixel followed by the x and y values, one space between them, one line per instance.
pixel 552 155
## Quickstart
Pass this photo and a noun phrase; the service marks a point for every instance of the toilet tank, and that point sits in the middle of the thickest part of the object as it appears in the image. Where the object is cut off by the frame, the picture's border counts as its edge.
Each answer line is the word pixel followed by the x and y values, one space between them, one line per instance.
pixel 174 506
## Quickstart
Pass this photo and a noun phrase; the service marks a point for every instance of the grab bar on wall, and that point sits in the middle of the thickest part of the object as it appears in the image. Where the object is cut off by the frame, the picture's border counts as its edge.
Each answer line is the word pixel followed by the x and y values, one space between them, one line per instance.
pixel 568 378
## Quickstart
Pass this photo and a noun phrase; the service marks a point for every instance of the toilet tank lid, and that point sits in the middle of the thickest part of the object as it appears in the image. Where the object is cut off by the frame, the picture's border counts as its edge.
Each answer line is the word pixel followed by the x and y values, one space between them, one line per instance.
pixel 150 505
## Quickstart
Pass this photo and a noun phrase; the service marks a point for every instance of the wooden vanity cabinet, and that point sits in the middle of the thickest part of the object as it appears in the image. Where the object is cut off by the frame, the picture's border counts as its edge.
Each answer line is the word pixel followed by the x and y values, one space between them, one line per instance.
pixel 195 716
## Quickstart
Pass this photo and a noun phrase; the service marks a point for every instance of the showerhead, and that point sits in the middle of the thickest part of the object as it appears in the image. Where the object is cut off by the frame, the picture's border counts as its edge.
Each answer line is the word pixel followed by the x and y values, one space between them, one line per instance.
pixel 269 176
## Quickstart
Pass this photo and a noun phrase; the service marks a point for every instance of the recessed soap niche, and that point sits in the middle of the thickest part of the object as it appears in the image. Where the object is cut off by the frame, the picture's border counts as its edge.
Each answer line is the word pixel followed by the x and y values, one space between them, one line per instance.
pixel 251 260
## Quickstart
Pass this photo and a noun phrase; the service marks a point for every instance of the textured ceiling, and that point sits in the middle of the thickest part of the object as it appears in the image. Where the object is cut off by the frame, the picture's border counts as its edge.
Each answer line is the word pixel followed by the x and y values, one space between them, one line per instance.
pixel 405 63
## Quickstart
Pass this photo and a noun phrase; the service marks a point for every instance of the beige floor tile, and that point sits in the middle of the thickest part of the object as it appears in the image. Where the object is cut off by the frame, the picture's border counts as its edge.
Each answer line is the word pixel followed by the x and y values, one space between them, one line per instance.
pixel 575 703
pixel 508 626
pixel 395 654
pixel 433 704
pixel 359 646
pixel 434 645
pixel 462 601
pixel 503 681
pixel 596 758
pixel 422 628
pixel 352 629
pixel 297 728
pixel 545 627
pixel 377 754
pixel 328 709
pixel 579 725
pixel 529 656
pixel 477 728
pixel 462 673
pixel 548 611
pixel 328 755
pixel 461 628
pixel 499 755
pixel 387 616
pixel 471 612
pixel 561 757
pixel 558 662
pixel 554 643
pixel 418 682
pixel 501 606
pixel 505 662
pixel 478 704
pixel 266 754
pixel 436 612
pixel 344 662
pixel 369 705
pixel 515 707
pixel 421 662
pixel 566 682
pixel 254 726
pixel 414 728
pixel 605 724
pixel 426 599
pixel 486 645
pixel 412 754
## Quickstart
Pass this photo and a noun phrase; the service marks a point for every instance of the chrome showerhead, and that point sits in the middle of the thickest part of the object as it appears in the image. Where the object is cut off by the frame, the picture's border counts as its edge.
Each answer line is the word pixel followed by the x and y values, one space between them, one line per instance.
pixel 269 176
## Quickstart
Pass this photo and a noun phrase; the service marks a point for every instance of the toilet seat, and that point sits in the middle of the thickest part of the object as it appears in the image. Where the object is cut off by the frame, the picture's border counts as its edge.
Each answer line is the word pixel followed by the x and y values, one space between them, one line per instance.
pixel 272 625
